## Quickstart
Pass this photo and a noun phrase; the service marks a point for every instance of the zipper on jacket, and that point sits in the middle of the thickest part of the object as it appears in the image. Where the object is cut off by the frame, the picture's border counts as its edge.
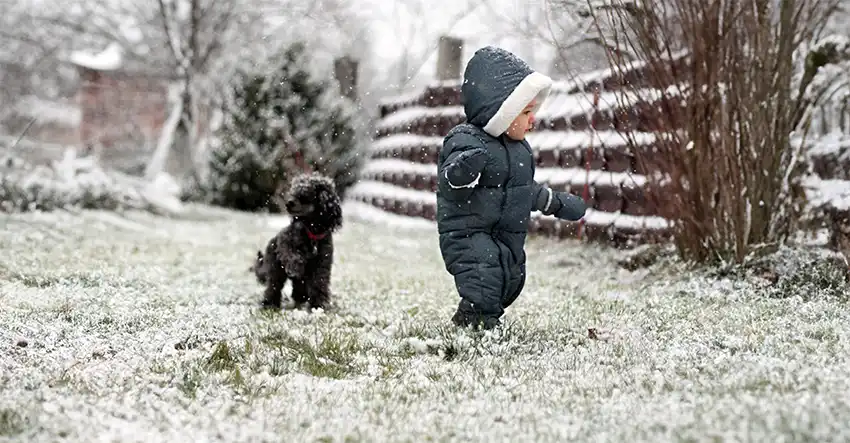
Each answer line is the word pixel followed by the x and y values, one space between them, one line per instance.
pixel 508 157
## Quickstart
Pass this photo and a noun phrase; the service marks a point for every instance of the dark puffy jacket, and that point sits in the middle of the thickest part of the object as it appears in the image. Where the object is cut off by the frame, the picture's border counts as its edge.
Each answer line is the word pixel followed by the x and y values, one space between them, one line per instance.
pixel 486 188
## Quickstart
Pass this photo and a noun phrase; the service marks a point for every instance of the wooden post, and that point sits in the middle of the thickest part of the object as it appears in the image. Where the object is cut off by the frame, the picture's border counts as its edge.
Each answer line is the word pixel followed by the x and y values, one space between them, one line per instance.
pixel 345 71
pixel 449 57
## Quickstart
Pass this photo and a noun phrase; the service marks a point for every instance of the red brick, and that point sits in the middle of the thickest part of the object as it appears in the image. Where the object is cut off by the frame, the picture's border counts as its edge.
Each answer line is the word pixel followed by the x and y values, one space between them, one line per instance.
pixel 534 226
pixel 119 107
pixel 425 182
pixel 570 158
pixel 396 177
pixel 421 182
pixel 411 153
pixel 567 229
pixel 429 212
pixel 546 158
pixel 400 207
pixel 555 124
pixel 618 160
pixel 648 163
pixel 579 122
pixel 635 202
pixel 433 153
pixel 427 155
pixel 548 226
pixel 607 198
pixel 414 209
pixel 596 156
pixel 596 232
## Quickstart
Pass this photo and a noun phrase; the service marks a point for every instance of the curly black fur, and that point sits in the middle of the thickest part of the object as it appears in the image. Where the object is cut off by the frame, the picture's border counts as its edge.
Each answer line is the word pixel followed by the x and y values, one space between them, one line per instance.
pixel 303 251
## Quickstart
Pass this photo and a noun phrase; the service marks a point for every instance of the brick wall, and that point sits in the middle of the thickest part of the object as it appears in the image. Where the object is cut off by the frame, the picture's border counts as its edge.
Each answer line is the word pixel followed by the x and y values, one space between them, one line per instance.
pixel 121 109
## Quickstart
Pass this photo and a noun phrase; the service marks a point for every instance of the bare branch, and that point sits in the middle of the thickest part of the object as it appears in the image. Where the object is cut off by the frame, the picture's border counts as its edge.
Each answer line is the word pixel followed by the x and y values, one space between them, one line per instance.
pixel 170 32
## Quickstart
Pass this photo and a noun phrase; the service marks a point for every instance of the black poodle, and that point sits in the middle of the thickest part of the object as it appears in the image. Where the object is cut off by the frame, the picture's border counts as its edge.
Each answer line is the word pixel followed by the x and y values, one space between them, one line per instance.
pixel 303 251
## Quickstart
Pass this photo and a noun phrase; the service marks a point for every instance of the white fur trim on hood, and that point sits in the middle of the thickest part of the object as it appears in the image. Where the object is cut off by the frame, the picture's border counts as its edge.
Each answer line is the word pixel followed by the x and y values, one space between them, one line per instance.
pixel 535 85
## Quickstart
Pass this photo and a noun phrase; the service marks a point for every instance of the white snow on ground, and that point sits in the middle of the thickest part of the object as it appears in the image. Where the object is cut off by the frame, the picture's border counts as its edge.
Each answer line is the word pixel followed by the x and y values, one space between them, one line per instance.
pixel 147 331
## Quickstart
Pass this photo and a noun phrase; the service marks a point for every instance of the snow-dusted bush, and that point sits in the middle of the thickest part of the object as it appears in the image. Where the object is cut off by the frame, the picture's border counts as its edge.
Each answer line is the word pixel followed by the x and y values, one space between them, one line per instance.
pixel 77 183
pixel 280 122
pixel 724 123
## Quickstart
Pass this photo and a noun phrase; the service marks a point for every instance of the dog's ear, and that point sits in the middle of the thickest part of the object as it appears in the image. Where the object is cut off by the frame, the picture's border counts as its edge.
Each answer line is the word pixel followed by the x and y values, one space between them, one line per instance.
pixel 330 206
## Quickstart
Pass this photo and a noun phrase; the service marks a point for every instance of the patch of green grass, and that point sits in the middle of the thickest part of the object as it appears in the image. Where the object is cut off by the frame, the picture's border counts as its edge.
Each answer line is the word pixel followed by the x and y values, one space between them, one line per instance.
pixel 190 380
pixel 12 422
pixel 331 356
pixel 85 280
pixel 227 359
pixel 222 359
pixel 347 439
pixel 81 279
pixel 34 280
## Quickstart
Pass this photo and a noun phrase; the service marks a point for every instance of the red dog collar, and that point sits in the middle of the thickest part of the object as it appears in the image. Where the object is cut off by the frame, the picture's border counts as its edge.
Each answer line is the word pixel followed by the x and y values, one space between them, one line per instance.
pixel 315 237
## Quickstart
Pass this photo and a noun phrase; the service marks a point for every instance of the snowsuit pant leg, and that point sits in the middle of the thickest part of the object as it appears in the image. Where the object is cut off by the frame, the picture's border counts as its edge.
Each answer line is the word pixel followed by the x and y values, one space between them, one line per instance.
pixel 513 261
pixel 516 283
pixel 475 262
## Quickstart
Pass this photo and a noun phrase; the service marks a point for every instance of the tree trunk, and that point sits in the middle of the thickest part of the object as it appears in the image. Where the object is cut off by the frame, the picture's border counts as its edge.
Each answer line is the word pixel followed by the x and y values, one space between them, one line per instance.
pixel 449 58
pixel 345 71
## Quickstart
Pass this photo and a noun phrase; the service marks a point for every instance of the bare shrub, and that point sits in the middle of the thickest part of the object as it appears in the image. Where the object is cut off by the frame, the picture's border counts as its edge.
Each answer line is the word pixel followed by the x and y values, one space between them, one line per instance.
pixel 730 176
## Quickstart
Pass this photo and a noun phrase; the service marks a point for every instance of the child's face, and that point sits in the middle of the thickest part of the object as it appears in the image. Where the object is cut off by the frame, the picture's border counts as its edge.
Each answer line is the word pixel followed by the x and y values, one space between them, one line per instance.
pixel 523 123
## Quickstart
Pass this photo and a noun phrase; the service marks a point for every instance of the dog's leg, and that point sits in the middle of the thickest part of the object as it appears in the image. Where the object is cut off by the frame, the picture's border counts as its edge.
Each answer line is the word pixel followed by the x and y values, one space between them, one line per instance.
pixel 320 294
pixel 299 293
pixel 319 284
pixel 273 295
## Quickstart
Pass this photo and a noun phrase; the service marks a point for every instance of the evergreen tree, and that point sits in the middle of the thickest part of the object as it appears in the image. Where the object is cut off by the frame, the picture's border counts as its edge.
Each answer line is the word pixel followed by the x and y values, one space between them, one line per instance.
pixel 278 125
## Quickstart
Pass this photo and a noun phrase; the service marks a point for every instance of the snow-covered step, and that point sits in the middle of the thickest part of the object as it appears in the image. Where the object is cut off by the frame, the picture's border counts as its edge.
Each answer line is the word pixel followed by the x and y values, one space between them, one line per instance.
pixel 608 191
pixel 570 110
pixel 554 176
pixel 830 157
pixel 610 149
pixel 419 203
pixel 827 192
pixel 545 140
pixel 608 79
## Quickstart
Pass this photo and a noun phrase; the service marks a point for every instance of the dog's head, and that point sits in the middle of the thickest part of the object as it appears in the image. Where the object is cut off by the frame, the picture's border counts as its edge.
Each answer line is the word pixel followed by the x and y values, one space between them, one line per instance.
pixel 259 269
pixel 313 198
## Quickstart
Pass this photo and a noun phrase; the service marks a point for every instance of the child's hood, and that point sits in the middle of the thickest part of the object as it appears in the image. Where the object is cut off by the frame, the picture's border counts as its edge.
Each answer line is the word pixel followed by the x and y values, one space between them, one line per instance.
pixel 497 85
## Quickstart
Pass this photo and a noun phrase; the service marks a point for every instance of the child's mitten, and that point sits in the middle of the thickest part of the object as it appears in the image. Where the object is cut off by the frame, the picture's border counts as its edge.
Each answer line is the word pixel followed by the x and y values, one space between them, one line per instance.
pixel 564 205
pixel 572 206
pixel 466 168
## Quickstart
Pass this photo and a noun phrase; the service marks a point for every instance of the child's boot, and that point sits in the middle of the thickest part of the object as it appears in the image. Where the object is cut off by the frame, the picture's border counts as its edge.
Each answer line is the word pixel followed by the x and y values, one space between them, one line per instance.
pixel 465 316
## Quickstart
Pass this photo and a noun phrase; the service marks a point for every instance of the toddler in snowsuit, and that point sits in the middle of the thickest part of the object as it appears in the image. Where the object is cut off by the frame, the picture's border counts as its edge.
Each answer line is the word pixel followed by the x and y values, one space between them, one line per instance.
pixel 486 189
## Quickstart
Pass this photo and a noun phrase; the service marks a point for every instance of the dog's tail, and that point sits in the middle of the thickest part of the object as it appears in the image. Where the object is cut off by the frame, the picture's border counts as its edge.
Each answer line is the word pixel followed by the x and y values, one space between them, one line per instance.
pixel 258 268
pixel 257 262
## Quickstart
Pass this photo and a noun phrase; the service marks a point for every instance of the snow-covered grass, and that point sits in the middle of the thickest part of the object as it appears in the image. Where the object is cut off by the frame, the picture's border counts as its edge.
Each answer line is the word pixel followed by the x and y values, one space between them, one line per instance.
pixel 137 327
